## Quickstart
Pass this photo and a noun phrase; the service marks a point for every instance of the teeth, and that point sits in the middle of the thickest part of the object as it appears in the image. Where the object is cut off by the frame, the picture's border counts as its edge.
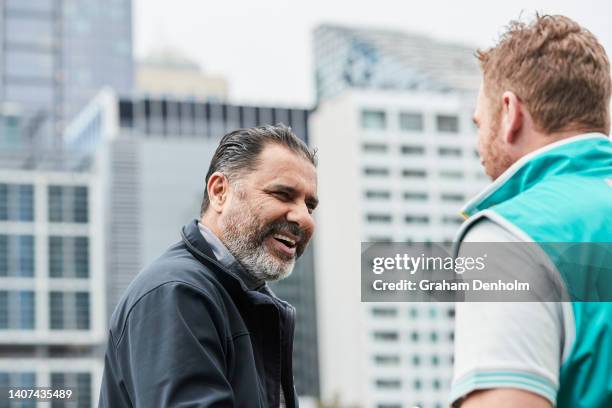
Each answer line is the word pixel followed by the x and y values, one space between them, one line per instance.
pixel 285 238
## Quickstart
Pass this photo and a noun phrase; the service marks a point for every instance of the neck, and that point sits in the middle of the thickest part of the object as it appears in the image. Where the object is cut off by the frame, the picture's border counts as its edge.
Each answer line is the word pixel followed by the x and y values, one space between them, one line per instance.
pixel 212 223
pixel 539 139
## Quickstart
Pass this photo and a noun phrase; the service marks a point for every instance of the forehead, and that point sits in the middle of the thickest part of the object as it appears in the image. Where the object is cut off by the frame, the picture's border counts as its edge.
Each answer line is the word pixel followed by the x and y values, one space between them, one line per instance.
pixel 278 164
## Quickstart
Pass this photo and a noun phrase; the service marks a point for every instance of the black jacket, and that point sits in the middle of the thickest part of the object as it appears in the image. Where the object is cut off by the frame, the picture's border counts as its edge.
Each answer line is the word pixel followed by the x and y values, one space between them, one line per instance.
pixel 190 333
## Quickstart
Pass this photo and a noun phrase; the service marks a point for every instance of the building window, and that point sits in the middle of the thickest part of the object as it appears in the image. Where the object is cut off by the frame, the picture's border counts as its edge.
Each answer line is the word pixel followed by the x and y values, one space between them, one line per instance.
pixel 373 120
pixel 69 310
pixel 411 121
pixel 413 150
pixel 378 194
pixel 17 255
pixel 435 360
pixel 450 152
pixel 415 196
pixel 16 202
pixel 384 312
pixel 447 123
pixel 68 257
pixel 416 219
pixel 388 384
pixel 414 336
pixel 452 197
pixel 80 204
pixel 68 204
pixel 376 171
pixel 452 220
pixel 412 173
pixel 416 360
pixel 451 174
pixel 379 218
pixel 80 382
pixel 387 359
pixel 417 384
pixel 386 336
pixel 17 310
pixel 375 148
pixel 14 379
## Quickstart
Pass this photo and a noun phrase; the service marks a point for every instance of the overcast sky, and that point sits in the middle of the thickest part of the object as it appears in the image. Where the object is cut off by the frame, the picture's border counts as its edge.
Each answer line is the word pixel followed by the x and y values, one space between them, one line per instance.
pixel 263 47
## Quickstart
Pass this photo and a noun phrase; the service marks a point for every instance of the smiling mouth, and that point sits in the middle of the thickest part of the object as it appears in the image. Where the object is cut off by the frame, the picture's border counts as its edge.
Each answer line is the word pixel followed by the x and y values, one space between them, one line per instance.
pixel 285 240
pixel 283 245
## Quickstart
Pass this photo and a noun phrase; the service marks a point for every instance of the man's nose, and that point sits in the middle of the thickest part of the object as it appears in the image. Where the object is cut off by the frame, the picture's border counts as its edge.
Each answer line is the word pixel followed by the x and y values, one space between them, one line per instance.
pixel 300 215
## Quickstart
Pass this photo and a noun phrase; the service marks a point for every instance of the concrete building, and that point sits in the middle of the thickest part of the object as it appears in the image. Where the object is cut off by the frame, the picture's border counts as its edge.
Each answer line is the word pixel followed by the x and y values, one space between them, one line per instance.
pixel 155 154
pixel 167 73
pixel 364 58
pixel 52 277
pixel 397 147
pixel 395 167
pixel 56 55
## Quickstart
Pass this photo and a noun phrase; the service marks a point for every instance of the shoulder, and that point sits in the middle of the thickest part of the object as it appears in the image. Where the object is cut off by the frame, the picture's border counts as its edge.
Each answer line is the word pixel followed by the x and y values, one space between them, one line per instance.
pixel 176 279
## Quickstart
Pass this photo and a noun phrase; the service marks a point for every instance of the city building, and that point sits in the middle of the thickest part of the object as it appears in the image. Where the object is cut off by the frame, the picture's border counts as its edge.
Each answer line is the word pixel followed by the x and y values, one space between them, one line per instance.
pixel 364 58
pixel 167 73
pixel 56 55
pixel 154 154
pixel 52 277
pixel 396 167
pixel 397 160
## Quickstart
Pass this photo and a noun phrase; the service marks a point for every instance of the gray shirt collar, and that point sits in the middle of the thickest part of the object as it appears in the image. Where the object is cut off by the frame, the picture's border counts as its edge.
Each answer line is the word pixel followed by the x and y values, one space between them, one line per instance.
pixel 225 258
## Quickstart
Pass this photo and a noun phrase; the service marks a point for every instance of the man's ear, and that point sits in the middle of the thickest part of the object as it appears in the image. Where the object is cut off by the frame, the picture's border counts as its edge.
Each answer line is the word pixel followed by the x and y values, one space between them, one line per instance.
pixel 218 188
pixel 512 117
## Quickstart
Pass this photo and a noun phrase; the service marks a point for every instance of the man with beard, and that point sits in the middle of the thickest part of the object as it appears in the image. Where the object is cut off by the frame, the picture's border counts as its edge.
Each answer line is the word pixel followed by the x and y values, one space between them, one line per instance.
pixel 543 122
pixel 200 327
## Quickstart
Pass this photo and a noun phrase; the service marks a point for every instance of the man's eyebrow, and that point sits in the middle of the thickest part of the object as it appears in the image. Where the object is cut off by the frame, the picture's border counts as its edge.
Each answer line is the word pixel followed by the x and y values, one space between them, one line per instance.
pixel 311 201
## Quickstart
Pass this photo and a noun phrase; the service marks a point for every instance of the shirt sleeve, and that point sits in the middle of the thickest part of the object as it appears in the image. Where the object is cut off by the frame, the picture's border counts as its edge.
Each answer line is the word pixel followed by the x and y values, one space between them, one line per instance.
pixel 172 352
pixel 507 344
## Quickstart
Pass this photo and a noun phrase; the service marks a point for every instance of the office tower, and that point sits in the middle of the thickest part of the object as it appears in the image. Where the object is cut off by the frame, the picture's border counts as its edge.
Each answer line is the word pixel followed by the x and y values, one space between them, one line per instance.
pixel 396 167
pixel 156 153
pixel 56 54
pixel 350 57
pixel 170 74
pixel 394 112
pixel 52 267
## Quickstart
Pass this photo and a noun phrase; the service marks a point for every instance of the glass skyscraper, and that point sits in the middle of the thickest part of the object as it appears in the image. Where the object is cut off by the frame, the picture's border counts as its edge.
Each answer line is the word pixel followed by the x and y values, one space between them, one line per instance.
pixel 56 54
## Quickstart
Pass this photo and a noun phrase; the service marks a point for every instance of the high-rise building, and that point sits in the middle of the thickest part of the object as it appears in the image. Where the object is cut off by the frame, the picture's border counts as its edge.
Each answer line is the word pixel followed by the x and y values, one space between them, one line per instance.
pixel 407 164
pixel 362 58
pixel 397 108
pixel 156 153
pixel 167 73
pixel 52 278
pixel 55 55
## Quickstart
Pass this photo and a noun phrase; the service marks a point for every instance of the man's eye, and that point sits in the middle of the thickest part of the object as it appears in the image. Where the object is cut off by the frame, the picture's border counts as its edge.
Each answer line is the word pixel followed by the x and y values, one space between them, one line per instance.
pixel 282 195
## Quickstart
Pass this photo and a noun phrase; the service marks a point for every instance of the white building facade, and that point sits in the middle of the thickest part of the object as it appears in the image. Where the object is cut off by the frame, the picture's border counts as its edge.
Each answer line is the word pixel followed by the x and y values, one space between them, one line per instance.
pixel 52 296
pixel 394 166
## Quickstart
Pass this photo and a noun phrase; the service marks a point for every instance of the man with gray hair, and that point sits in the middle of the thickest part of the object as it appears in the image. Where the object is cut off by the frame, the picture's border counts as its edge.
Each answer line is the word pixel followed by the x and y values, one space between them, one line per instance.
pixel 199 327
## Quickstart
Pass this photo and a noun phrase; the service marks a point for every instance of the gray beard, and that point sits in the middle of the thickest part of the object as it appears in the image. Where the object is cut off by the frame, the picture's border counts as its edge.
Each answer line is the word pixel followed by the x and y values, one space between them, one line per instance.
pixel 241 237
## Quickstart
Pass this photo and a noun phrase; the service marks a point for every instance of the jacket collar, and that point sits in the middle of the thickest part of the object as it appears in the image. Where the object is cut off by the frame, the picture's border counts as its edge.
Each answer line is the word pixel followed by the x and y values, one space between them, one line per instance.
pixel 200 248
pixel 569 155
